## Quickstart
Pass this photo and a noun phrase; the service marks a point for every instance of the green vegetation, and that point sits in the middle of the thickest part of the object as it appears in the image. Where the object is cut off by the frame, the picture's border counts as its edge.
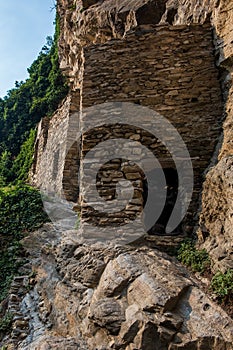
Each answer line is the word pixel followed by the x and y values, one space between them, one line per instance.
pixel 72 7
pixel 5 323
pixel 222 285
pixel 23 161
pixel 10 261
pixel 21 211
pixel 21 208
pixel 5 168
pixel 23 108
pixel 197 260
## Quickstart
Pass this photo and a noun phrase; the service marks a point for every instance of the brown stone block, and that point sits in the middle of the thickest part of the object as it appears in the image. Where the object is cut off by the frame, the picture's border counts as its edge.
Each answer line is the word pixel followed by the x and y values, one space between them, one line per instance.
pixel 133 176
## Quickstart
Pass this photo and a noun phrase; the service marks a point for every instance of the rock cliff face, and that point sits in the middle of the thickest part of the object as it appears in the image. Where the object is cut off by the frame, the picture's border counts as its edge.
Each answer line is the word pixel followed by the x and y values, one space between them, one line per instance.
pixel 86 22
pixel 109 19
pixel 112 297
pixel 215 232
pixel 96 296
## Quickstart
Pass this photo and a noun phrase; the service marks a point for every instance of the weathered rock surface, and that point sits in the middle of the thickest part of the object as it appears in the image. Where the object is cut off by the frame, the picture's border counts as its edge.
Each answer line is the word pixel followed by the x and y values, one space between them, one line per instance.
pixel 86 22
pixel 115 297
pixel 215 231
pixel 216 220
pixel 120 297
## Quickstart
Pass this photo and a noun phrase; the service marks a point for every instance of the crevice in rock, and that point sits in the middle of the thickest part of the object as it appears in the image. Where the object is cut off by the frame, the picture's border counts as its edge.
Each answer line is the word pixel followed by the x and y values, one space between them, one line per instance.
pixel 151 13
pixel 88 3
pixel 171 13
pixel 172 303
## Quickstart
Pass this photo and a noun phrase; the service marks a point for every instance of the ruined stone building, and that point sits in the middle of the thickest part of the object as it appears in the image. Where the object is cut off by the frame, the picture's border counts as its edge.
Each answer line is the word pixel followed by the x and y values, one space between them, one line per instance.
pixel 149 114
pixel 146 54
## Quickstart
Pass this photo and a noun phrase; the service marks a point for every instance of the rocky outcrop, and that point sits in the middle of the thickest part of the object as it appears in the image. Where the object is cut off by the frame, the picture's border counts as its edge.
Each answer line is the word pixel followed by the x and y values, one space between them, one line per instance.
pixel 216 220
pixel 95 296
pixel 84 23
pixel 215 231
pixel 87 22
pixel 112 297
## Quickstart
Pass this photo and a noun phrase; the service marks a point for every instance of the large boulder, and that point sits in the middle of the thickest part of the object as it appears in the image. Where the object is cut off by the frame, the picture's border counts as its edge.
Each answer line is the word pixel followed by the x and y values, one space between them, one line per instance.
pixel 115 297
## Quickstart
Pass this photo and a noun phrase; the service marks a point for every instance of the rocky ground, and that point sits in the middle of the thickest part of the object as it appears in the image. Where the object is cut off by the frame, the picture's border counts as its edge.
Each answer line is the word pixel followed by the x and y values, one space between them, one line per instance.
pixel 92 296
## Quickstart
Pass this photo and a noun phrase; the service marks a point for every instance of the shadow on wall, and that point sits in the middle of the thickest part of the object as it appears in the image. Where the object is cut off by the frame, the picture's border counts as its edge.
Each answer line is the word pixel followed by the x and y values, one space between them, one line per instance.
pixel 172 191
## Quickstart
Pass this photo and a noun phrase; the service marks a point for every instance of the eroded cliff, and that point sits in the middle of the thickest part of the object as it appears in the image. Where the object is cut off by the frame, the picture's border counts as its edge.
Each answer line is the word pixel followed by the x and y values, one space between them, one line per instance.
pixel 93 296
pixel 110 297
pixel 86 22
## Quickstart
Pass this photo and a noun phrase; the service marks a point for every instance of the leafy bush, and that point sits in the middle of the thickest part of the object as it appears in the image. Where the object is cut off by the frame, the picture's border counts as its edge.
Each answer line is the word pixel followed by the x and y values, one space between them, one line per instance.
pixel 5 168
pixel 197 260
pixel 6 322
pixel 23 161
pixel 10 261
pixel 21 210
pixel 222 284
pixel 23 108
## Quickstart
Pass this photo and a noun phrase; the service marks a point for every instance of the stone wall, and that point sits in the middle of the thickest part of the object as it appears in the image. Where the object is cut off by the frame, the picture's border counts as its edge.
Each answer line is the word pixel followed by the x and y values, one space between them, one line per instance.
pixel 215 229
pixel 97 24
pixel 168 69
pixel 216 220
pixel 56 151
pixel 108 20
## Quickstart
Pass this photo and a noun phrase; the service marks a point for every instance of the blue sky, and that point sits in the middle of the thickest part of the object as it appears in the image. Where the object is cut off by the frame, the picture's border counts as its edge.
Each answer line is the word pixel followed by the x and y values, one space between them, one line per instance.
pixel 24 26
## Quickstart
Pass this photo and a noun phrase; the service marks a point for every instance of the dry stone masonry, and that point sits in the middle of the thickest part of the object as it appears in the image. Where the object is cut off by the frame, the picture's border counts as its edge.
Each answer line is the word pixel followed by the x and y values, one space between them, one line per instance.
pixel 56 155
pixel 86 26
pixel 161 68
pixel 171 57
pixel 155 66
